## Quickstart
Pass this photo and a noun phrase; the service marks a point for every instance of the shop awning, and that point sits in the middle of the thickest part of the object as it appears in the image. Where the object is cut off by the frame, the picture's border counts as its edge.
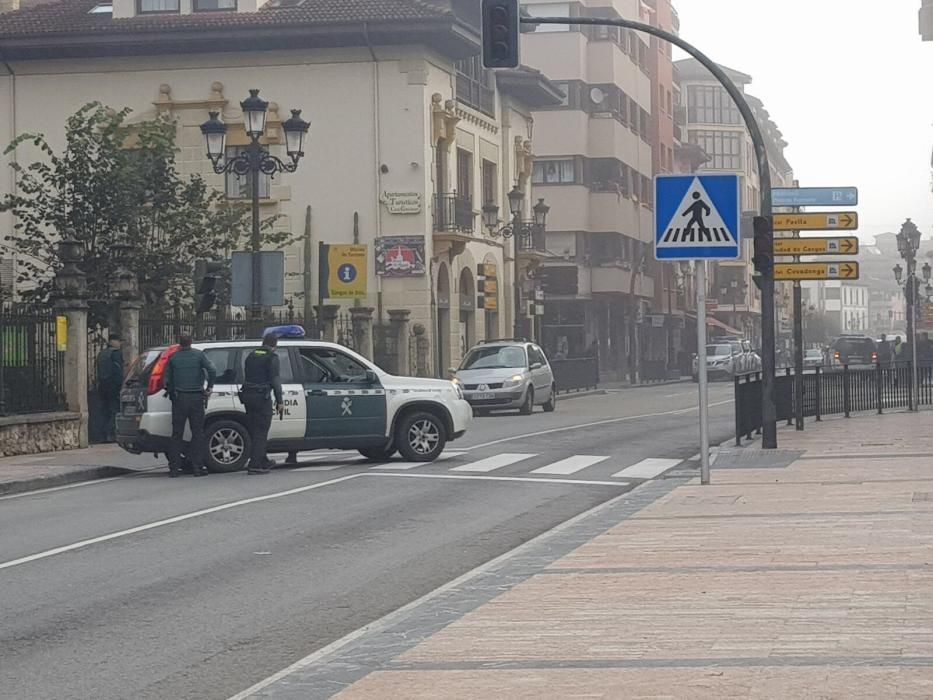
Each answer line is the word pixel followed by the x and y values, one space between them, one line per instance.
pixel 716 323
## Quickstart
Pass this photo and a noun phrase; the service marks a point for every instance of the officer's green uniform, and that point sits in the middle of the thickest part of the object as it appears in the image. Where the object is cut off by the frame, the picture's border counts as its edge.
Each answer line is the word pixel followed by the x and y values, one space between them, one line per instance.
pixel 261 377
pixel 185 374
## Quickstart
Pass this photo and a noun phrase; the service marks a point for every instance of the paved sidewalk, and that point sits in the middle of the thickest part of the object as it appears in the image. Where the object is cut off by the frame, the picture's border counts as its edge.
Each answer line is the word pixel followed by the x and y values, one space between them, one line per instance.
pixel 809 580
pixel 30 472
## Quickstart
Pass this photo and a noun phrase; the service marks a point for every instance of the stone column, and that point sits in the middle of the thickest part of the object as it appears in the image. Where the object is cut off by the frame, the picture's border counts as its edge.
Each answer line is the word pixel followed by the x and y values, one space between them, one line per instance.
pixel 398 319
pixel 422 351
pixel 126 288
pixel 70 295
pixel 362 320
pixel 329 313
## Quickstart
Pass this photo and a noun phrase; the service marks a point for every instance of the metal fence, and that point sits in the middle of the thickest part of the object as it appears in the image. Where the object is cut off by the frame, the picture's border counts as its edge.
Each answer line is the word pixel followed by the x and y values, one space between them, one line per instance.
pixel 831 392
pixel 32 368
pixel 576 374
pixel 164 328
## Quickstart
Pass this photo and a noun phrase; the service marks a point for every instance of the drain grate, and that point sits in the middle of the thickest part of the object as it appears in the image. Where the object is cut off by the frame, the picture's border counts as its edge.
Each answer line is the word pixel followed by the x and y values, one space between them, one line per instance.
pixel 737 458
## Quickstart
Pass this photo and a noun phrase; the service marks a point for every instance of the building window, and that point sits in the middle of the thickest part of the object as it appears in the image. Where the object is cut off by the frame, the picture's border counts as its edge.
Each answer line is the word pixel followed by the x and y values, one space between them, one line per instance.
pixel 241 187
pixel 475 86
pixel 553 172
pixel 214 5
pixel 606 175
pixel 710 105
pixel 146 7
pixel 561 9
pixel 464 174
pixel 490 184
pixel 723 147
pixel 643 125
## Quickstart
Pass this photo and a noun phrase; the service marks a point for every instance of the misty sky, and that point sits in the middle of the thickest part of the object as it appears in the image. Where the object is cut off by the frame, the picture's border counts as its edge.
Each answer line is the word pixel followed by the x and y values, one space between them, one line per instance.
pixel 847 82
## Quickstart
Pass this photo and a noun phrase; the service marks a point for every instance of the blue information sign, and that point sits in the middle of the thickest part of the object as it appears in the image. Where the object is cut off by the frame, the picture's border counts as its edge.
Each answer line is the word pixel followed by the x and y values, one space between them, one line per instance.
pixel 696 217
pixel 814 196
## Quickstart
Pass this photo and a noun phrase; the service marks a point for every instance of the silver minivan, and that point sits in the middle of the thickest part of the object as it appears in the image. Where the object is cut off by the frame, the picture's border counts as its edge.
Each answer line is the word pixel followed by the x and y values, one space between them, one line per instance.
pixel 503 374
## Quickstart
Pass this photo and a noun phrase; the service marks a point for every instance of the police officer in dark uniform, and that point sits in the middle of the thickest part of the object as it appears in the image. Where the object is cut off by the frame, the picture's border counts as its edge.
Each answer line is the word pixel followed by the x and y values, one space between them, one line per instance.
pixel 262 376
pixel 185 374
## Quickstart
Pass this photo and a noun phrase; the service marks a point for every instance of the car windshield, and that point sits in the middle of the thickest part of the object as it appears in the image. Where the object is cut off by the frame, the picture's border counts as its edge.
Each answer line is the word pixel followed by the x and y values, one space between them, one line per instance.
pixel 495 357
pixel 718 350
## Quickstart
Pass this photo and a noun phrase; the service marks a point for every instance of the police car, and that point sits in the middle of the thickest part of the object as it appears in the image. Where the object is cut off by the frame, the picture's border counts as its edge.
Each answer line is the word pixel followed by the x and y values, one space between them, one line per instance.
pixel 334 399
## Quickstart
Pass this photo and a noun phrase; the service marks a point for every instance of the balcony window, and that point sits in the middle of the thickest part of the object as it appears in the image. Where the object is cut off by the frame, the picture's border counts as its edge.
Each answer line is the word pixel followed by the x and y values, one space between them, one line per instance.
pixel 241 187
pixel 711 105
pixel 152 7
pixel 723 147
pixel 554 172
pixel 453 213
pixel 475 86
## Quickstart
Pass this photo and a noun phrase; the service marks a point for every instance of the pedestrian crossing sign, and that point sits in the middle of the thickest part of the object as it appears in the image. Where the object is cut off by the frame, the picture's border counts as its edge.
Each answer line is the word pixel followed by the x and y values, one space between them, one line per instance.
pixel 697 217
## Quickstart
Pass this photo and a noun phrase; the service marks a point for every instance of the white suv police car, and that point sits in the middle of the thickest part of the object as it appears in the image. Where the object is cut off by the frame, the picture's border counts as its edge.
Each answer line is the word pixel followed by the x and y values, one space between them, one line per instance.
pixel 334 399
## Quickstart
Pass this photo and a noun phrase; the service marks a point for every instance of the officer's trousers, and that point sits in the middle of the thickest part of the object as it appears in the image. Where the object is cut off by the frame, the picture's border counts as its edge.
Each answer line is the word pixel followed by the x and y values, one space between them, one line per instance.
pixel 259 413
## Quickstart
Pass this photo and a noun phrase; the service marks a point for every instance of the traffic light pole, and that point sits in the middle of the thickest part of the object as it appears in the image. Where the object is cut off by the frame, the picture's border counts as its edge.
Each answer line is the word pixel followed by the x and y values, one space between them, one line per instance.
pixel 768 410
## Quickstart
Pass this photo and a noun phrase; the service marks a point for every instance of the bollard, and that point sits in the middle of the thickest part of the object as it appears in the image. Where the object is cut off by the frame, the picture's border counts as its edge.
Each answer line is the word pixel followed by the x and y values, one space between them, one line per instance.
pixel 738 412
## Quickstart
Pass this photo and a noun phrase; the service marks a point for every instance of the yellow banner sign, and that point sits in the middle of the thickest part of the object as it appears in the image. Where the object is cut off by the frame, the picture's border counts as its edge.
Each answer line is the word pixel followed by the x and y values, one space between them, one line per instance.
pixel 823 221
pixel 61 333
pixel 816 246
pixel 816 271
pixel 345 269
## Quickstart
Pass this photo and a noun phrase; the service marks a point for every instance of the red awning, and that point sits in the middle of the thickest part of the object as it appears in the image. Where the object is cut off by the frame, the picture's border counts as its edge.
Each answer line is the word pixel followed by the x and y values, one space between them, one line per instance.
pixel 716 323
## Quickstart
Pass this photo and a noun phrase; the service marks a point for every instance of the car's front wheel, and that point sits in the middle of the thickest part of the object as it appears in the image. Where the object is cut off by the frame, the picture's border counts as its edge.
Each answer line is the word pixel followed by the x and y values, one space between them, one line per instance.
pixel 378 454
pixel 421 436
pixel 529 404
pixel 551 404
pixel 227 446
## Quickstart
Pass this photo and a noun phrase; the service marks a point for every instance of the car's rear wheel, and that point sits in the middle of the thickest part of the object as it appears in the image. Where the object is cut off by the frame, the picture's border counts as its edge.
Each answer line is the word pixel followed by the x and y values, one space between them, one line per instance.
pixel 421 436
pixel 551 404
pixel 227 446
pixel 529 405
pixel 378 454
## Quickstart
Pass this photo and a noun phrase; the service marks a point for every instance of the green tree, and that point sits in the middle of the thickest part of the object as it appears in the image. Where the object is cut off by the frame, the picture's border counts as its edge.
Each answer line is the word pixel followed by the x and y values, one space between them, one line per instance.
pixel 117 182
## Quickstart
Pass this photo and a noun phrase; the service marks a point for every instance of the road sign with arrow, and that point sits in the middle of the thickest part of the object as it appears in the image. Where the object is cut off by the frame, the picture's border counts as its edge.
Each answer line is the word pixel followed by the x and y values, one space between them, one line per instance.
pixel 814 196
pixel 816 271
pixel 816 246
pixel 823 221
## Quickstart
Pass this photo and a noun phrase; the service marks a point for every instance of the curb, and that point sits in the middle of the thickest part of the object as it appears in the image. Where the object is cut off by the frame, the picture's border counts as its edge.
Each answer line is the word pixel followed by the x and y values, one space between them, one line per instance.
pixel 73 477
pixel 581 394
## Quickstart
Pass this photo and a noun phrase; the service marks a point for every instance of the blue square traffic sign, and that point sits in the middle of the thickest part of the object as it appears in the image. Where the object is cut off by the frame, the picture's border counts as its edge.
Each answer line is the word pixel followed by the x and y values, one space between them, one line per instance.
pixel 697 217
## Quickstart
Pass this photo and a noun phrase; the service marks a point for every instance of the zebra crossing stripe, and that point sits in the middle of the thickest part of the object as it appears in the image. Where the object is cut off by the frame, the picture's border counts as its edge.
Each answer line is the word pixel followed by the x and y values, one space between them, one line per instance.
pixel 570 465
pixel 495 462
pixel 647 469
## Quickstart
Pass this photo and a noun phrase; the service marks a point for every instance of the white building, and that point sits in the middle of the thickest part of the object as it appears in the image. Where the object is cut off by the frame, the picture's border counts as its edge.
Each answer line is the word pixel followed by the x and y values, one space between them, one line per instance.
pixel 399 104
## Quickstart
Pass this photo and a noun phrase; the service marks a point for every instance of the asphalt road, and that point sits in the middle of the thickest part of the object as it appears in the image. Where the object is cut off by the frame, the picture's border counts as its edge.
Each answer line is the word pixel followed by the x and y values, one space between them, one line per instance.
pixel 146 587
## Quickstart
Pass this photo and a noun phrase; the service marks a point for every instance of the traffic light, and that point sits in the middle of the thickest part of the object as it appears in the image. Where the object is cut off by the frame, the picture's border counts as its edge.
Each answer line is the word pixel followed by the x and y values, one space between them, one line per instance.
pixel 764 249
pixel 206 273
pixel 500 33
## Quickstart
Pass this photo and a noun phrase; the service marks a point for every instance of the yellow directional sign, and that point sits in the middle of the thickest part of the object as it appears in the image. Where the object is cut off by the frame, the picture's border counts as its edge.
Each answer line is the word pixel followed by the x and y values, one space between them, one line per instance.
pixel 816 271
pixel 816 246
pixel 822 221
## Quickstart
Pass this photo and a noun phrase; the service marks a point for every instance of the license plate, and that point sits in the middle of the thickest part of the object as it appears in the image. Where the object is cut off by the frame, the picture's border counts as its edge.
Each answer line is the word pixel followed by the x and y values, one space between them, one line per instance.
pixel 484 397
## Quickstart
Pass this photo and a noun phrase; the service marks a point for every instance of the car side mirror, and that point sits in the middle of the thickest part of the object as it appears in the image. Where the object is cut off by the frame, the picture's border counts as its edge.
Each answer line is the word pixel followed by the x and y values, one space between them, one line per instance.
pixel 451 372
pixel 536 365
pixel 371 377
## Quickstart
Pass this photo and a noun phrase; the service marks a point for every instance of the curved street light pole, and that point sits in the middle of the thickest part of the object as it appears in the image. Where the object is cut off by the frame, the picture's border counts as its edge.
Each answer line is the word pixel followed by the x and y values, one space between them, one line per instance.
pixel 768 410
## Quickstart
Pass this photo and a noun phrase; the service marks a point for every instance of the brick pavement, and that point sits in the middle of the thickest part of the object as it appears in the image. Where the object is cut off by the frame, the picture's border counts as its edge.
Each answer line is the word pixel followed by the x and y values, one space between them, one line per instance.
pixel 810 581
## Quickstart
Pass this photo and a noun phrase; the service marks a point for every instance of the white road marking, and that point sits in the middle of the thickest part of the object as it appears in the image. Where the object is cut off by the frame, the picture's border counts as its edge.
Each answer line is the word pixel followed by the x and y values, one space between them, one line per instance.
pixel 61 488
pixel 647 468
pixel 570 465
pixel 325 468
pixel 495 462
pixel 169 521
pixel 399 614
pixel 402 466
pixel 524 479
pixel 607 421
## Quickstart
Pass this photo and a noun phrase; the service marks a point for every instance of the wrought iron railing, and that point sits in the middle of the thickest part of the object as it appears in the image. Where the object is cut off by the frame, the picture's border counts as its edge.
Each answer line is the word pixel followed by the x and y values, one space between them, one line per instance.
pixel 32 368
pixel 453 213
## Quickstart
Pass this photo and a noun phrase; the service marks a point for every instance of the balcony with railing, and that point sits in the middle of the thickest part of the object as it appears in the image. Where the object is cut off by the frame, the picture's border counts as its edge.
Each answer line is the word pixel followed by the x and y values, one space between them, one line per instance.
pixel 453 214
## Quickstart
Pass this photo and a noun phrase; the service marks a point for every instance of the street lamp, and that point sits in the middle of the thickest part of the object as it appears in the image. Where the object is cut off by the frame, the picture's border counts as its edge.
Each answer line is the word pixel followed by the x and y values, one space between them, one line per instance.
pixel 908 243
pixel 255 161
pixel 519 230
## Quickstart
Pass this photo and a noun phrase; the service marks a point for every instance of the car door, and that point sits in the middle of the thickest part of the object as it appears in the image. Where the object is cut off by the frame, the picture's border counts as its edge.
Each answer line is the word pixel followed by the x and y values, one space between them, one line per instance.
pixel 292 425
pixel 345 403
pixel 541 376
pixel 225 385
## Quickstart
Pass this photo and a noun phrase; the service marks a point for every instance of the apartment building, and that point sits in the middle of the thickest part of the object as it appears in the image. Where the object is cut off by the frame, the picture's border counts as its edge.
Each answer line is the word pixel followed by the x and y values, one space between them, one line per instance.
pixel 594 165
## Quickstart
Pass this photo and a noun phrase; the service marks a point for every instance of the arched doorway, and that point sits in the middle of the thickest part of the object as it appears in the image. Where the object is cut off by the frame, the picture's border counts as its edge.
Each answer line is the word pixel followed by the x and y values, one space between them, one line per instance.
pixel 467 311
pixel 442 332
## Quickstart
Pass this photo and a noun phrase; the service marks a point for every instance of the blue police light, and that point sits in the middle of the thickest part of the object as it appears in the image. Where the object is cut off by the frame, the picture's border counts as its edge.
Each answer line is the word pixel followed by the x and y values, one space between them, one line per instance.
pixel 285 332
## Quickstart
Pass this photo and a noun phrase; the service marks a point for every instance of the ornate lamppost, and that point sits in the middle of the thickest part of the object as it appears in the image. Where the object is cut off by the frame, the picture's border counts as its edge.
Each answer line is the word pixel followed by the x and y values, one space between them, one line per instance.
pixel 254 161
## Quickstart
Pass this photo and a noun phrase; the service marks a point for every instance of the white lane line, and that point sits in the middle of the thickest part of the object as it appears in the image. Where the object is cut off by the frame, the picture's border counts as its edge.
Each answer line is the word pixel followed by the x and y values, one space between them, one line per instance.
pixel 402 466
pixel 571 465
pixel 326 468
pixel 392 618
pixel 647 468
pixel 495 462
pixel 61 488
pixel 169 521
pixel 607 421
pixel 522 479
